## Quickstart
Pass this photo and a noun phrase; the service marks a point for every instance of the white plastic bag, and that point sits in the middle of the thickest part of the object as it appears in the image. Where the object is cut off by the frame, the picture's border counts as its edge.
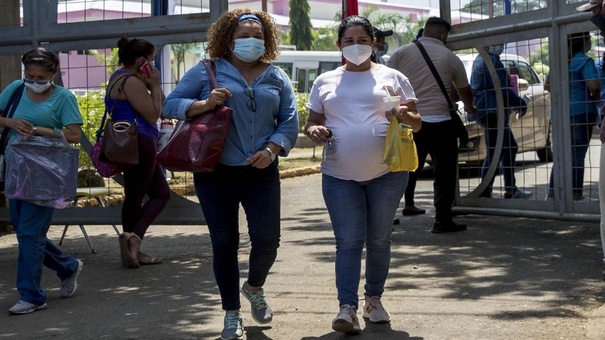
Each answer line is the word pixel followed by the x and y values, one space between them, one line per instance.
pixel 41 170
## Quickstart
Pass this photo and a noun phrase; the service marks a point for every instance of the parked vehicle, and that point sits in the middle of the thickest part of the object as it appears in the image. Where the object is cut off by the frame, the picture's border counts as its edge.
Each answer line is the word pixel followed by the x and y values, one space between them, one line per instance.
pixel 532 131
pixel 304 66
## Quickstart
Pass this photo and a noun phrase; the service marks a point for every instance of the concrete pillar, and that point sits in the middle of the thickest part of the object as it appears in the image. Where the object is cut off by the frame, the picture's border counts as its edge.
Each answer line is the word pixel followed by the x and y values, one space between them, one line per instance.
pixel 10 65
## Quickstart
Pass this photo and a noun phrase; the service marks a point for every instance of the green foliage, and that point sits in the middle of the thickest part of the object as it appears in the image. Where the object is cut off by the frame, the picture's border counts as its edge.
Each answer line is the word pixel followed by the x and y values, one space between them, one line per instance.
pixel 110 61
pixel 300 33
pixel 180 51
pixel 303 112
pixel 92 107
pixel 324 39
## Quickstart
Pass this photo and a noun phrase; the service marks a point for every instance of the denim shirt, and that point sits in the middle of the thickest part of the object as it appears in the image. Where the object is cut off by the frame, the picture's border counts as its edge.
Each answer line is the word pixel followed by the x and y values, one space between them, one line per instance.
pixel 484 92
pixel 275 119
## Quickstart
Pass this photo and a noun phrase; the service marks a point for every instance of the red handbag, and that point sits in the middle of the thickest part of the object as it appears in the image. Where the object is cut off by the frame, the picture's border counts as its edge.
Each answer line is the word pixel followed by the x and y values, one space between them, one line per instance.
pixel 196 145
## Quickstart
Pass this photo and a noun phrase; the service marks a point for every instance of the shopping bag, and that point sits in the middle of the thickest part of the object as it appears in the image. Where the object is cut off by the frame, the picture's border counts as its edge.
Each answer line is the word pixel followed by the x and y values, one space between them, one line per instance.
pixel 104 169
pixel 41 170
pixel 400 150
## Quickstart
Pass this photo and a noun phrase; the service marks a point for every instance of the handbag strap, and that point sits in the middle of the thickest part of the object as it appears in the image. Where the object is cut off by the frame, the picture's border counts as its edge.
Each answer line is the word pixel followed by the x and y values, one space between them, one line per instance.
pixel 211 70
pixel 429 62
pixel 109 112
pixel 9 111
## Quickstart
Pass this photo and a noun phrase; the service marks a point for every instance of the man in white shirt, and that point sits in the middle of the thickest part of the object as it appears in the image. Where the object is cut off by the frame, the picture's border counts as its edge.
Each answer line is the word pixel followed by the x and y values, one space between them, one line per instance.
pixel 438 134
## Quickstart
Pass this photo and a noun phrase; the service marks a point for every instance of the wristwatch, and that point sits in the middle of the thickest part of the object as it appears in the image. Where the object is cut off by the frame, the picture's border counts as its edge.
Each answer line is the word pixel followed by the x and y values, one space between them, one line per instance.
pixel 271 154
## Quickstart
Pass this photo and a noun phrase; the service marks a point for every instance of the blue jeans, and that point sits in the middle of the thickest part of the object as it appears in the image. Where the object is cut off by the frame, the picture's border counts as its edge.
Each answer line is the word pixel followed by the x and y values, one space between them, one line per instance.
pixel 220 194
pixel 362 213
pixel 581 133
pixel 31 223
pixel 489 123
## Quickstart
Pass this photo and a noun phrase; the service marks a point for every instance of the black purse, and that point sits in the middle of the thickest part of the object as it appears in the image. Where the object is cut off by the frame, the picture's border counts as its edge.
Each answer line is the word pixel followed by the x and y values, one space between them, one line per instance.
pixel 461 132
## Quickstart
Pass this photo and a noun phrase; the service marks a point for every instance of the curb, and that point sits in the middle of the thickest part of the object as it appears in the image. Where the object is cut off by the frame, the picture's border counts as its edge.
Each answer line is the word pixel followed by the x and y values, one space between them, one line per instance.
pixel 299 172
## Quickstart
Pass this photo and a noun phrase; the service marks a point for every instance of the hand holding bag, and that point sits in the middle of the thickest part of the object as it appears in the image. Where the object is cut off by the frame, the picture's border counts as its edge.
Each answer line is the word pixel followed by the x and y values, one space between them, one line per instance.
pixel 196 145
pixel 42 170
pixel 120 140
pixel 400 150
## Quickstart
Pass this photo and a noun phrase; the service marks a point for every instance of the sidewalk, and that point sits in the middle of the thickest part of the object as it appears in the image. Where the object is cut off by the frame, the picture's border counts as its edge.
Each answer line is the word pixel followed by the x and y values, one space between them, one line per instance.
pixel 504 278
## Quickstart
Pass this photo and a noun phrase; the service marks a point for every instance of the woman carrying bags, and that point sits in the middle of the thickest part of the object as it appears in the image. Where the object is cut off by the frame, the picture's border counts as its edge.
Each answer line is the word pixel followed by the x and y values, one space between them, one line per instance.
pixel 134 94
pixel 50 111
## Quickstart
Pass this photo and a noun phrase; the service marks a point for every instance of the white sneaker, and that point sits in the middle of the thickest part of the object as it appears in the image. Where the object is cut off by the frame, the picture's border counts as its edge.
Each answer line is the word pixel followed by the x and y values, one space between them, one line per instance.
pixel 24 307
pixel 346 321
pixel 69 285
pixel 374 311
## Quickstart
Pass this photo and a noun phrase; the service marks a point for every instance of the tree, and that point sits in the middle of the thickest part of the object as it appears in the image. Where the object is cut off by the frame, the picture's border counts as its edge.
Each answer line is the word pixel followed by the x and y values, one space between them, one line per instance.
pixel 180 52
pixel 109 60
pixel 300 33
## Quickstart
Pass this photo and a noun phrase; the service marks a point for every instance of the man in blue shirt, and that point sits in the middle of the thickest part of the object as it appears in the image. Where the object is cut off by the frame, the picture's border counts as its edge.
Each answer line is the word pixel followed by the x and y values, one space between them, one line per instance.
pixel 484 93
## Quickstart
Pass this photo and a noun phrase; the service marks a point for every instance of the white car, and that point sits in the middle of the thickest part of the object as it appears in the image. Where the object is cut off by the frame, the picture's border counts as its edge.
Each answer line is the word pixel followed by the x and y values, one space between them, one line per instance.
pixel 532 131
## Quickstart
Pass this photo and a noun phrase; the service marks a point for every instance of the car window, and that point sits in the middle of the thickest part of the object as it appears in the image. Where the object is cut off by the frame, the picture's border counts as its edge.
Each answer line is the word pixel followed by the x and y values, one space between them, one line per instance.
pixel 527 73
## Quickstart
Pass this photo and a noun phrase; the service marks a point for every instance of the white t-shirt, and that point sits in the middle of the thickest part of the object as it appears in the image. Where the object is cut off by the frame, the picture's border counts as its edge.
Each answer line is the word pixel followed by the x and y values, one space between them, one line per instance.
pixel 355 112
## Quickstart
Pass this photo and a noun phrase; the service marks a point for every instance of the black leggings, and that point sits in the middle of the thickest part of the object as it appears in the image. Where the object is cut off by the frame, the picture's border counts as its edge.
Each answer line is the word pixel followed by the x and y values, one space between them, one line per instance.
pixel 146 178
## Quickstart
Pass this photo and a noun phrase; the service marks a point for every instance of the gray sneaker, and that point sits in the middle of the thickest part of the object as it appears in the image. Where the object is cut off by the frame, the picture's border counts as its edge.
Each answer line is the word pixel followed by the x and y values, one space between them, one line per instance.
pixel 234 326
pixel 69 285
pixel 24 307
pixel 261 312
pixel 346 321
pixel 374 311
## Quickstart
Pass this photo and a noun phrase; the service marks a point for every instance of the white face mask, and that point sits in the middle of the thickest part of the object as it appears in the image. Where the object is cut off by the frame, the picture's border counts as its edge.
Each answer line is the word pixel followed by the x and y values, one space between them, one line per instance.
pixel 38 88
pixel 357 53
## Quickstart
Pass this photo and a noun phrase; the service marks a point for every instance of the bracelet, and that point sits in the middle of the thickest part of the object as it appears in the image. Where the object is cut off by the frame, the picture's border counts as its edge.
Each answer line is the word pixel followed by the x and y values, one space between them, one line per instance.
pixel 271 154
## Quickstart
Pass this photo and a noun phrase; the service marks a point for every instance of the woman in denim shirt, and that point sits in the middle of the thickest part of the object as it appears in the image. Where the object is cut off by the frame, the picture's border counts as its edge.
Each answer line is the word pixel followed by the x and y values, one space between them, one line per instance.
pixel 265 124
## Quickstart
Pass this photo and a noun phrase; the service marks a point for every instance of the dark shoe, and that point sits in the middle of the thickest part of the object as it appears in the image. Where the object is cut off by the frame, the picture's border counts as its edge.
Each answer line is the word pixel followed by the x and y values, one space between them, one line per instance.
pixel 396 221
pixel 412 211
pixel 450 227
pixel 519 194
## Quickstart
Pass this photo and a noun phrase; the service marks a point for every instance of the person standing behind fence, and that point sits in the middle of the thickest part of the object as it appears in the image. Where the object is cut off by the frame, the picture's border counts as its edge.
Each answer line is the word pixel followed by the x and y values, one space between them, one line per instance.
pixel 242 45
pixel 133 96
pixel 44 110
pixel 484 91
pixel 359 190
pixel 437 136
pixel 584 95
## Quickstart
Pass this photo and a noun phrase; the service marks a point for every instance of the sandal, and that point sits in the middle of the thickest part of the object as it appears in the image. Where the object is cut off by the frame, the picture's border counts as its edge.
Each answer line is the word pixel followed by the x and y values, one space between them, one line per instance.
pixel 145 259
pixel 127 260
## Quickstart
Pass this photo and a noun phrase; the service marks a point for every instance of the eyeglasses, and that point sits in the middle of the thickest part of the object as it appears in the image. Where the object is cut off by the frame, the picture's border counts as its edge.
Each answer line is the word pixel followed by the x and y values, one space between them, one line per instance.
pixel 251 102
pixel 39 82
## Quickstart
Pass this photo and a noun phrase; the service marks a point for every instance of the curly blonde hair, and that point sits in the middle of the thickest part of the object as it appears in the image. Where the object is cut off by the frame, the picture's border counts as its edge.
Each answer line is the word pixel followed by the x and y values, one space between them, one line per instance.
pixel 220 34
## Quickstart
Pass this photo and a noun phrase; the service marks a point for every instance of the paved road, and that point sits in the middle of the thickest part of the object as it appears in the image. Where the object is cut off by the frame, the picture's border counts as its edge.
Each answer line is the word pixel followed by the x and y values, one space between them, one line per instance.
pixel 504 278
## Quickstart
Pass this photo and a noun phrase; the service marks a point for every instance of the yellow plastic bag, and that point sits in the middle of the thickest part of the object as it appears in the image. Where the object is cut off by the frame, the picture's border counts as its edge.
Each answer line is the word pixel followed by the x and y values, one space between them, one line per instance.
pixel 400 150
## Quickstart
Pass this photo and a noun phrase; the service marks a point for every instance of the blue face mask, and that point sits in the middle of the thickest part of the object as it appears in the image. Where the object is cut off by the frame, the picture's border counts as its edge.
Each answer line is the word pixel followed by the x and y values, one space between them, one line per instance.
pixel 249 49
